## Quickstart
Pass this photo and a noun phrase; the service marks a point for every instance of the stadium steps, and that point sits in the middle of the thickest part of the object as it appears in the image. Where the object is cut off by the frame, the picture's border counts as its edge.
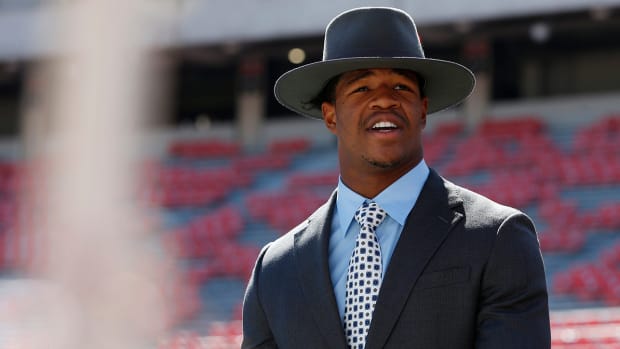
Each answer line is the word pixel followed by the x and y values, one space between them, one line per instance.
pixel 321 158
pixel 591 197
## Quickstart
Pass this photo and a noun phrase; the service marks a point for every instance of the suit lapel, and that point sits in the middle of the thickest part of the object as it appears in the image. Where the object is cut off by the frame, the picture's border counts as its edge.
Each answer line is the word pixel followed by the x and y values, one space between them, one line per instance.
pixel 311 246
pixel 426 228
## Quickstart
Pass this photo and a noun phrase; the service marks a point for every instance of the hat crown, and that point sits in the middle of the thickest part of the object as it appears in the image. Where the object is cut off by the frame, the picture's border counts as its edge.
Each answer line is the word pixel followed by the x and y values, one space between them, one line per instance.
pixel 372 32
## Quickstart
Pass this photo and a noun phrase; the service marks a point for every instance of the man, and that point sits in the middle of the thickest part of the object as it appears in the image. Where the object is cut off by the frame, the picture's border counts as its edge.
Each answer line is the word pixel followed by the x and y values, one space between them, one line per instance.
pixel 430 264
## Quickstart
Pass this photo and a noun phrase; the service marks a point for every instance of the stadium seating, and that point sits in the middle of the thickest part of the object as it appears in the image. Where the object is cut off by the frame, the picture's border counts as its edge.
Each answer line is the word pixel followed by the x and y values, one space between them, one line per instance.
pixel 595 280
pixel 197 149
pixel 226 202
pixel 513 161
pixel 439 141
pixel 303 180
pixel 578 329
pixel 191 185
pixel 289 146
pixel 284 209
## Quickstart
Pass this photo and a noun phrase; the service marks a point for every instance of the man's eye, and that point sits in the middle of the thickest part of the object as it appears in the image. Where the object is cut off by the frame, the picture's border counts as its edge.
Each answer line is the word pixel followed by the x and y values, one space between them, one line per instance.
pixel 361 89
pixel 402 87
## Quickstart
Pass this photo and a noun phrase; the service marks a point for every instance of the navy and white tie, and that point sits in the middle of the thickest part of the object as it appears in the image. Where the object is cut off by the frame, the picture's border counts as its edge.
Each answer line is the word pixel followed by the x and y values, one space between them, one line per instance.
pixel 363 276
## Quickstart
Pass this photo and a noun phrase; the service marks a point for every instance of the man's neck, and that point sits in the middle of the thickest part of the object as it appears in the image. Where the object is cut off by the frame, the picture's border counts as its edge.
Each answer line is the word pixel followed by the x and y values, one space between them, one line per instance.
pixel 371 183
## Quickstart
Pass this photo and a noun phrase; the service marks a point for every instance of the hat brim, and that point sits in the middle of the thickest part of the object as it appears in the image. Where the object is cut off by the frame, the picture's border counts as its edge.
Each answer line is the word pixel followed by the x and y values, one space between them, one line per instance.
pixel 446 83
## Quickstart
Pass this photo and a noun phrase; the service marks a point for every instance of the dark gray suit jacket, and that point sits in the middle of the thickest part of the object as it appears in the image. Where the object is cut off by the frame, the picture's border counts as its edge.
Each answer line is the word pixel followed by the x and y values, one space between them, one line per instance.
pixel 466 273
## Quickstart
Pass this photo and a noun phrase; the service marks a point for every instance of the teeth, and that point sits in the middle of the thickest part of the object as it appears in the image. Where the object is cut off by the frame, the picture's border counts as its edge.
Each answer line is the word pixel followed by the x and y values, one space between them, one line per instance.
pixel 384 124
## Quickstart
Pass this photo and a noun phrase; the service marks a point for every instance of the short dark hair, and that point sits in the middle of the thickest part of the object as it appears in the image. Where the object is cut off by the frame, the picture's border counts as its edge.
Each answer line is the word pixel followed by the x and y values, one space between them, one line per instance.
pixel 328 92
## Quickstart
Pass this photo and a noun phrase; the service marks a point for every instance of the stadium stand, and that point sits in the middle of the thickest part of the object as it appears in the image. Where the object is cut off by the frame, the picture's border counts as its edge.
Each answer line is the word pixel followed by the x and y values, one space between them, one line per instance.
pixel 519 161
pixel 202 148
pixel 226 203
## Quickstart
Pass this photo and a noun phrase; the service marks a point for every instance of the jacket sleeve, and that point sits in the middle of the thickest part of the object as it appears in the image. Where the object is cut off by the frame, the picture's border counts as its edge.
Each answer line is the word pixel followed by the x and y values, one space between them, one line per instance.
pixel 256 330
pixel 514 309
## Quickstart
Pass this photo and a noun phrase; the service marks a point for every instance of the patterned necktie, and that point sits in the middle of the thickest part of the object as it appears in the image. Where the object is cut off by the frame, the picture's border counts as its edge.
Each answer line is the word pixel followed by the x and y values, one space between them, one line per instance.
pixel 364 276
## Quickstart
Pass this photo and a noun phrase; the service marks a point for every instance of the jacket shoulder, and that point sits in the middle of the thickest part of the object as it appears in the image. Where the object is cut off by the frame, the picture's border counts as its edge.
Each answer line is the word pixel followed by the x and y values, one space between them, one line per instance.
pixel 479 209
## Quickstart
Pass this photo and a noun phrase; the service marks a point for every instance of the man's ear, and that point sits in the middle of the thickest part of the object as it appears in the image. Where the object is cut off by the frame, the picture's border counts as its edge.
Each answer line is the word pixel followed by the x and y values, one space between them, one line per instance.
pixel 329 116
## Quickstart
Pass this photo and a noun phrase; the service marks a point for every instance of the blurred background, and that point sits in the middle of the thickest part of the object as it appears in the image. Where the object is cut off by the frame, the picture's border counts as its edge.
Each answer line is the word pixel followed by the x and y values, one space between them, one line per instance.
pixel 144 160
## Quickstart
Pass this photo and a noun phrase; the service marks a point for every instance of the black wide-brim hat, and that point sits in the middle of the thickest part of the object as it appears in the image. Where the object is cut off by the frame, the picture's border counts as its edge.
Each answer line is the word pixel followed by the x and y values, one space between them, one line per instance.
pixel 373 37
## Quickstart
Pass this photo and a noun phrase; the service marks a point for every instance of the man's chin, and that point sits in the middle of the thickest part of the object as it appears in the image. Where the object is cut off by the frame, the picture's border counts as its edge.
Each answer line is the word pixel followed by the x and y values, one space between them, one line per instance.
pixel 383 164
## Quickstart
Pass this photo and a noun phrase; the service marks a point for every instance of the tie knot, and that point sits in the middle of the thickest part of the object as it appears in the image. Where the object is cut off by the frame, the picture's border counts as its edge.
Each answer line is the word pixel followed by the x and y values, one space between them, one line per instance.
pixel 370 215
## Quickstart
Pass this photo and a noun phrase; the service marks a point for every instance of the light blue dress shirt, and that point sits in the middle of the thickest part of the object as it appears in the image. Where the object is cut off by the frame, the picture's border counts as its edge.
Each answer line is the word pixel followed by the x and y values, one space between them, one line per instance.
pixel 397 200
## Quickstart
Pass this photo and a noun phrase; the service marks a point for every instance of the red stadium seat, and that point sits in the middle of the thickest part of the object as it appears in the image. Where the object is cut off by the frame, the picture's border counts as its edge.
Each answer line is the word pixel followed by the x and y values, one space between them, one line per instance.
pixel 261 162
pixel 204 148
pixel 304 180
pixel 289 146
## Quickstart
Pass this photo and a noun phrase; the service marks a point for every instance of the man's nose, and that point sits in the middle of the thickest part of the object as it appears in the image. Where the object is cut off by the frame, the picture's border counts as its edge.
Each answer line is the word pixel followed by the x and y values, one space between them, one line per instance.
pixel 384 98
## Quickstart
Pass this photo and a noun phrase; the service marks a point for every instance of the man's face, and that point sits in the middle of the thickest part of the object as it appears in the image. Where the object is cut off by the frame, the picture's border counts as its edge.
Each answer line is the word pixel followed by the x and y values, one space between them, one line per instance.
pixel 378 116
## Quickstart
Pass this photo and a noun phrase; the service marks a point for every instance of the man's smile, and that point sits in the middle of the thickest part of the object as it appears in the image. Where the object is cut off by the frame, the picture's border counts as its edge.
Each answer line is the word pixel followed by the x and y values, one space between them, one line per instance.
pixel 384 126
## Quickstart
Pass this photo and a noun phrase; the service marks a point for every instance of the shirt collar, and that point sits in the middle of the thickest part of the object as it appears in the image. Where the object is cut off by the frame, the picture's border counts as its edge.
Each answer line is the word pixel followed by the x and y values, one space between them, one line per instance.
pixel 397 199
